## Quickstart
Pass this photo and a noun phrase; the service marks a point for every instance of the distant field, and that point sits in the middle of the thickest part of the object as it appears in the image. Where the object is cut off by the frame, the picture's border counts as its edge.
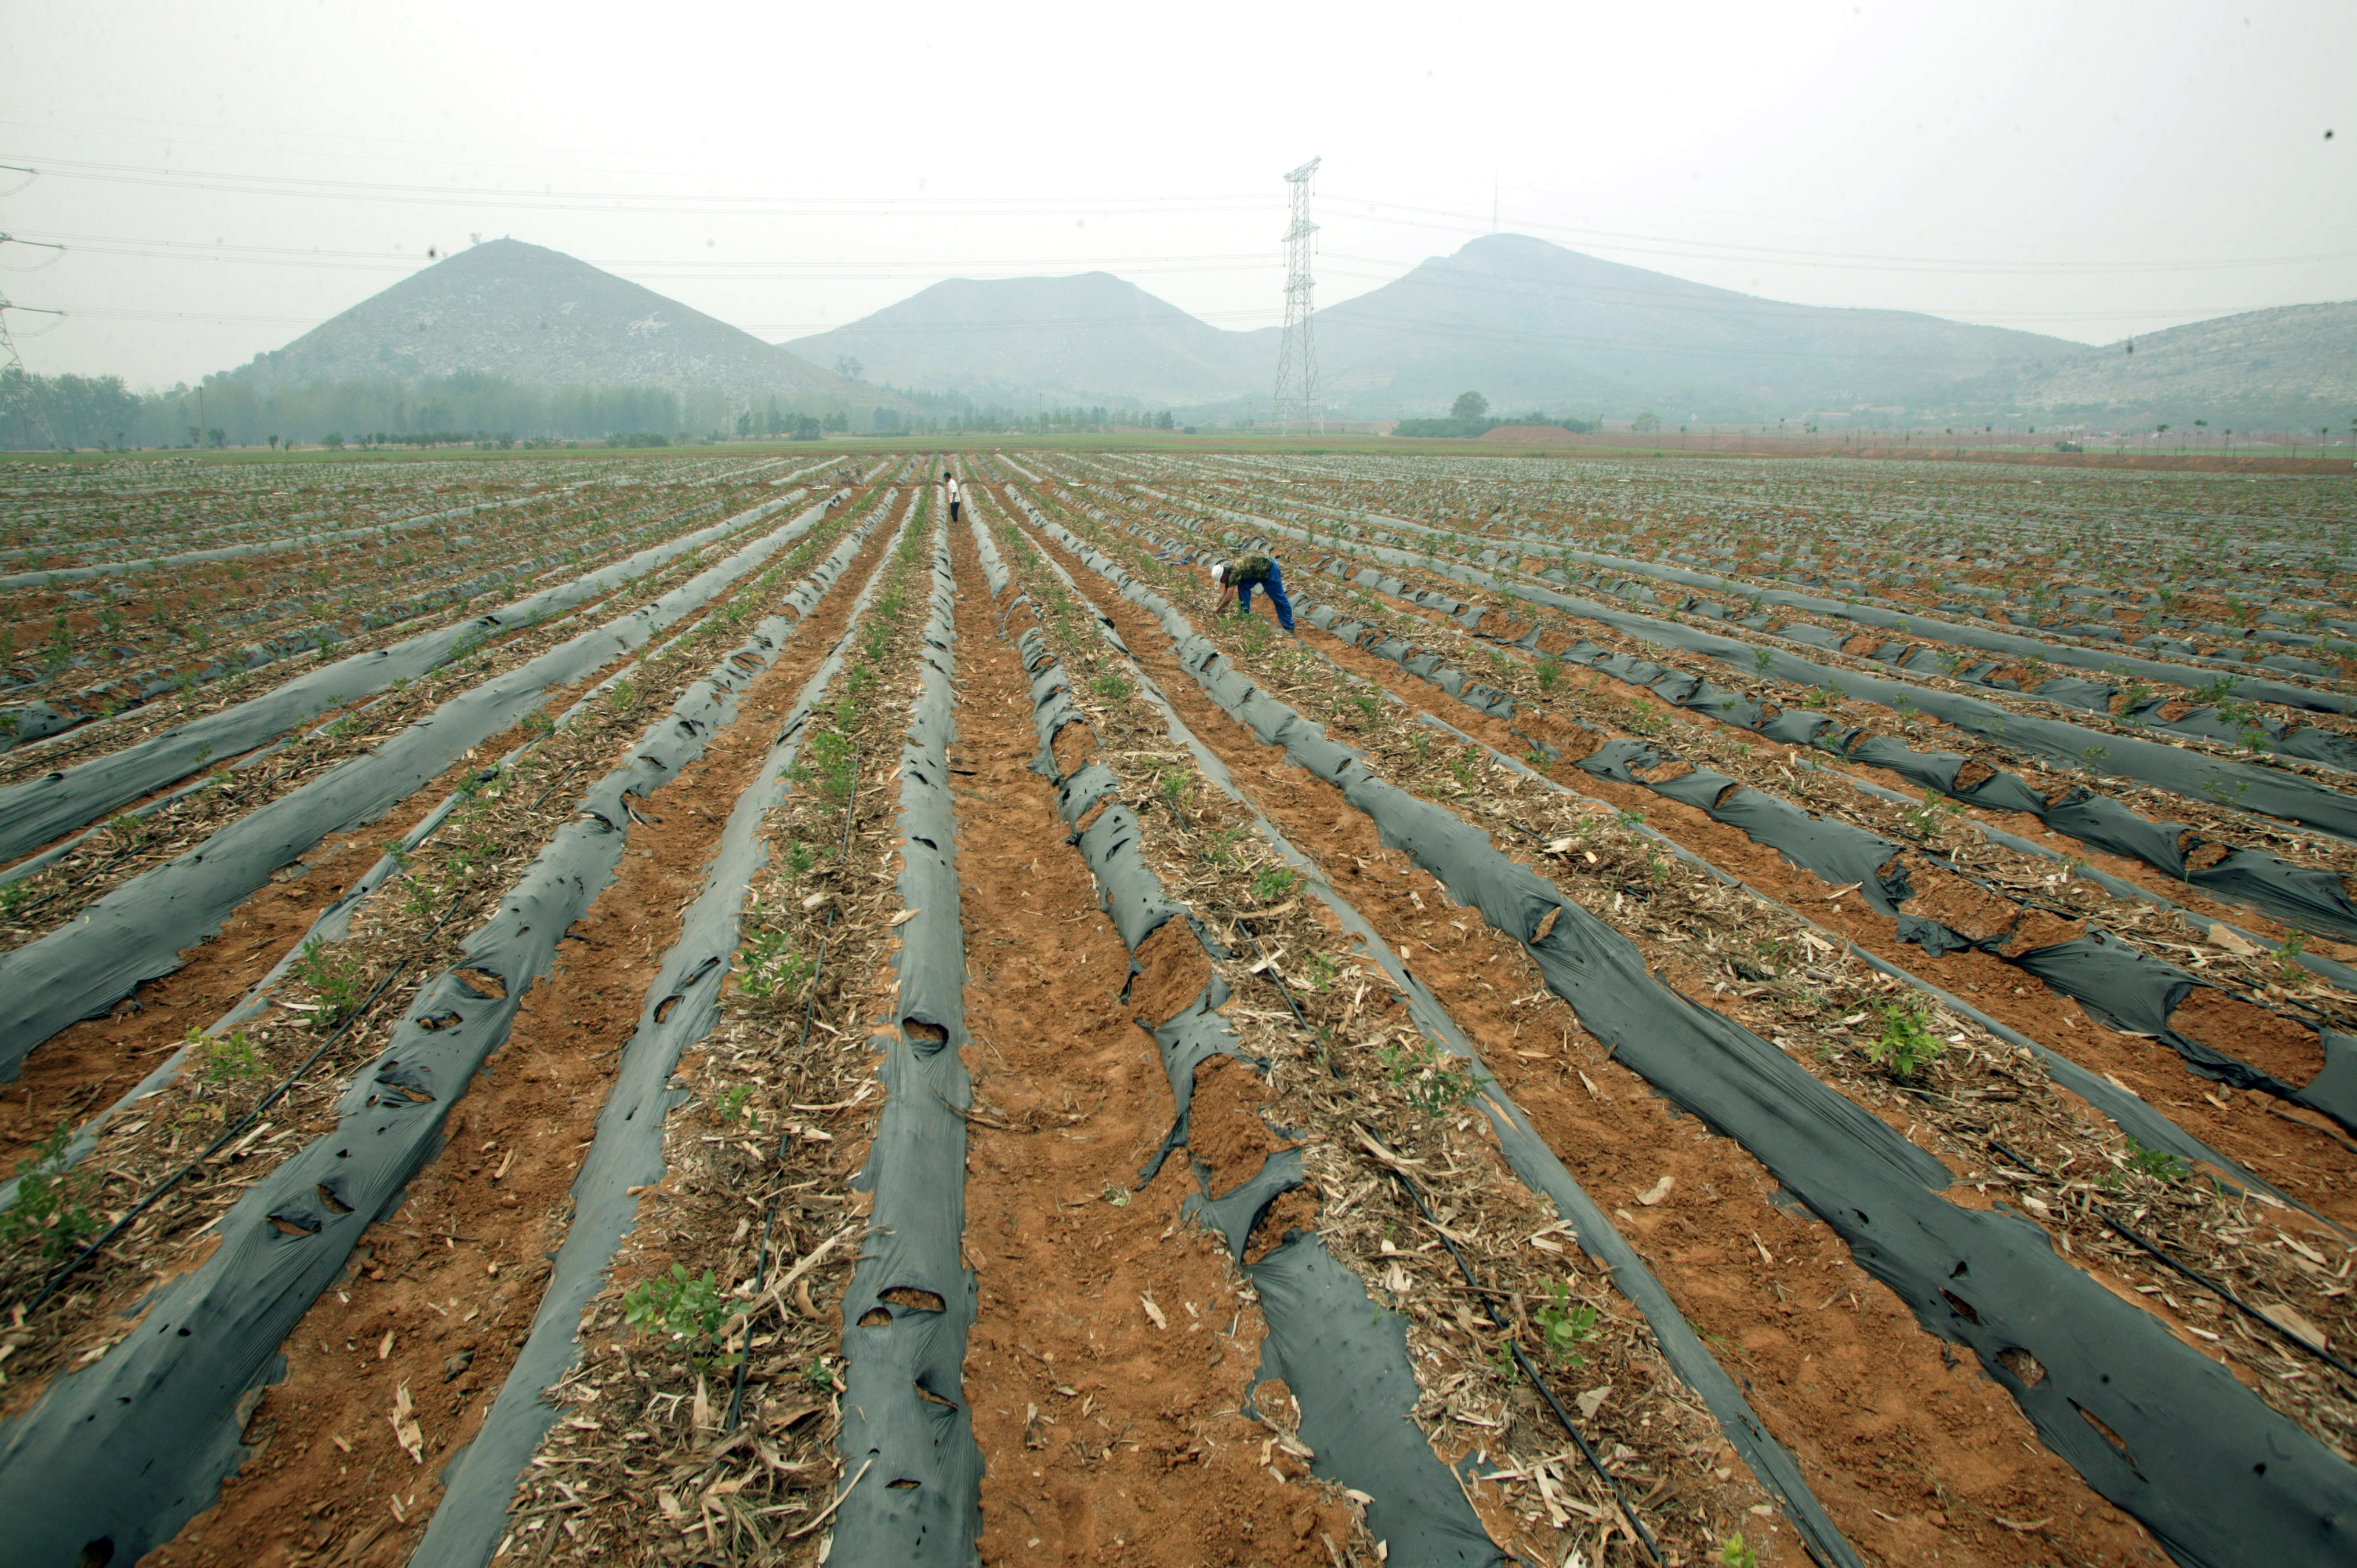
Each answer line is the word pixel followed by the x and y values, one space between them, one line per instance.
pixel 1787 1010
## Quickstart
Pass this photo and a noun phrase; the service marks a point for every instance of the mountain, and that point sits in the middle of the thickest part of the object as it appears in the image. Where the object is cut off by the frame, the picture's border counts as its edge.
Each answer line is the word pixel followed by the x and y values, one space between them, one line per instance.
pixel 542 319
pixel 1088 338
pixel 2293 366
pixel 1531 324
pixel 1528 324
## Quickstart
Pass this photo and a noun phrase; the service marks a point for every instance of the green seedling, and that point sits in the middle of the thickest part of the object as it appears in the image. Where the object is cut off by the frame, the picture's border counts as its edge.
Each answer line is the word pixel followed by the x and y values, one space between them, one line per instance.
pixel 1437 1081
pixel 1116 1196
pixel 1369 706
pixel 339 982
pixel 1736 1553
pixel 1564 1327
pixel 1630 817
pixel 1112 688
pixel 1274 882
pixel 1549 670
pixel 539 725
pixel 225 1057
pixel 688 1309
pixel 771 965
pixel 799 858
pixel 1926 820
pixel 732 1106
pixel 2158 1163
pixel 2288 969
pixel 1906 1046
pixel 51 1211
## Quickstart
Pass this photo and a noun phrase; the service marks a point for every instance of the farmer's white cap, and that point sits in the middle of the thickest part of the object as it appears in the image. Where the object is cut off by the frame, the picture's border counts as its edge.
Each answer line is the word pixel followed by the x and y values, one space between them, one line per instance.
pixel 1219 575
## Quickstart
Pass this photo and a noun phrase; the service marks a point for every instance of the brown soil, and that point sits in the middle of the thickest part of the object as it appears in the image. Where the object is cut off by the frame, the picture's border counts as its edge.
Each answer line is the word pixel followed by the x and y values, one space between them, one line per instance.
pixel 1973 773
pixel 2285 1051
pixel 1225 1132
pixel 1172 972
pixel 1105 1438
pixel 458 1270
pixel 1807 1333
pixel 1966 907
pixel 2043 928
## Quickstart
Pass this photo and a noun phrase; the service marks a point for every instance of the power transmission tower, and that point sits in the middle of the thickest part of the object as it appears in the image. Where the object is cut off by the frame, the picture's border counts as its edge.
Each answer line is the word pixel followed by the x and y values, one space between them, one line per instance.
pixel 1296 356
pixel 15 380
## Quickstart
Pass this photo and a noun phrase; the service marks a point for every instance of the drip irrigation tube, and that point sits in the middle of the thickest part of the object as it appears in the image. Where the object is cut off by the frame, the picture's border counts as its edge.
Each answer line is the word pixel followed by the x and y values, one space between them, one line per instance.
pixel 2213 1472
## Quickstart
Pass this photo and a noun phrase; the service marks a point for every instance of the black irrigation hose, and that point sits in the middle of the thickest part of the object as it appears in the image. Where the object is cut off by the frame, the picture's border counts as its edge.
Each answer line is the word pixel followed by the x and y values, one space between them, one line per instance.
pixel 810 1002
pixel 1522 1361
pixel 81 1259
pixel 1282 989
pixel 2204 1281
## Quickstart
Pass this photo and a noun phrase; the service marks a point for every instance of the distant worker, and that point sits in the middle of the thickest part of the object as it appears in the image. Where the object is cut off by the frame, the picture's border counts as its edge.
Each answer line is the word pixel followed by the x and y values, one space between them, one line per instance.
pixel 1241 575
pixel 954 501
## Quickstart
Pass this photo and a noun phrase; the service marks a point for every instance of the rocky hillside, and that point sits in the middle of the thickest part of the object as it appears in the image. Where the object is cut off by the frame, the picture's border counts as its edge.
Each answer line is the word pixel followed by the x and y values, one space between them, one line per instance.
pixel 542 319
pixel 1090 338
pixel 2293 366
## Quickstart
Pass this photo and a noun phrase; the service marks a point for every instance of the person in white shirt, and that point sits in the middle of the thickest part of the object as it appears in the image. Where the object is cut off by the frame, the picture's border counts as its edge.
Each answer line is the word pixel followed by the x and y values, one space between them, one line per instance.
pixel 954 502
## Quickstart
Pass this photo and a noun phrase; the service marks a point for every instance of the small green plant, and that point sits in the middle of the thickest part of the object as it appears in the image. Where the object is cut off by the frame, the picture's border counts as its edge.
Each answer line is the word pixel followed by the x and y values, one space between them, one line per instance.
pixel 1274 882
pixel 689 1309
pixel 732 1106
pixel 539 725
pixel 1629 816
pixel 2158 1163
pixel 1369 706
pixel 1112 688
pixel 1646 719
pixel 337 982
pixel 1461 769
pixel 1549 669
pixel 1926 820
pixel 799 857
pixel 1116 1196
pixel 2288 969
pixel 625 694
pixel 51 1208
pixel 1437 1081
pixel 2092 756
pixel 226 1057
pixel 1564 1327
pixel 1906 1046
pixel 1738 1553
pixel 772 967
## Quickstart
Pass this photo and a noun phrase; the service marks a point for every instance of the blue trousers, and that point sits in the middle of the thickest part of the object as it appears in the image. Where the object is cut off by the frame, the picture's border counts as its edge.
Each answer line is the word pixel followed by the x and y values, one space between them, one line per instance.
pixel 1276 587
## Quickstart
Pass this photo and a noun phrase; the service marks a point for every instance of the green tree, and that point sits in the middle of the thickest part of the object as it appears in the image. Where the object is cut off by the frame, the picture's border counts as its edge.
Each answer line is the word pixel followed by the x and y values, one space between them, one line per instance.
pixel 1469 405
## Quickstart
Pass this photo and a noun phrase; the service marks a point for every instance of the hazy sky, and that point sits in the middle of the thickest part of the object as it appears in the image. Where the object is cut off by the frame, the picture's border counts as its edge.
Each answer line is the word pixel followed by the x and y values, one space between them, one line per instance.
pixel 228 174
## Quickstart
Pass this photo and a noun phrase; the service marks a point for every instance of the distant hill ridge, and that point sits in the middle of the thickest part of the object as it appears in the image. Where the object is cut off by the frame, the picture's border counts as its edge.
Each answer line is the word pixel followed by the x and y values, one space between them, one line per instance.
pixel 1532 325
pixel 544 318
pixel 1529 324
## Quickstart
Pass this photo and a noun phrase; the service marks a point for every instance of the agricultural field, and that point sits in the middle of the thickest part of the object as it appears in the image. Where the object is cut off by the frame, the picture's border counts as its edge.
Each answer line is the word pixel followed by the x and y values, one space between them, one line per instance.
pixel 696 1009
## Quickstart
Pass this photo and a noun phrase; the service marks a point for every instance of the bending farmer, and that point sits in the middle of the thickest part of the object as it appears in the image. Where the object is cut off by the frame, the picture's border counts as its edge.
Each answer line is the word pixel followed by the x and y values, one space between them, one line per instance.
pixel 1240 577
